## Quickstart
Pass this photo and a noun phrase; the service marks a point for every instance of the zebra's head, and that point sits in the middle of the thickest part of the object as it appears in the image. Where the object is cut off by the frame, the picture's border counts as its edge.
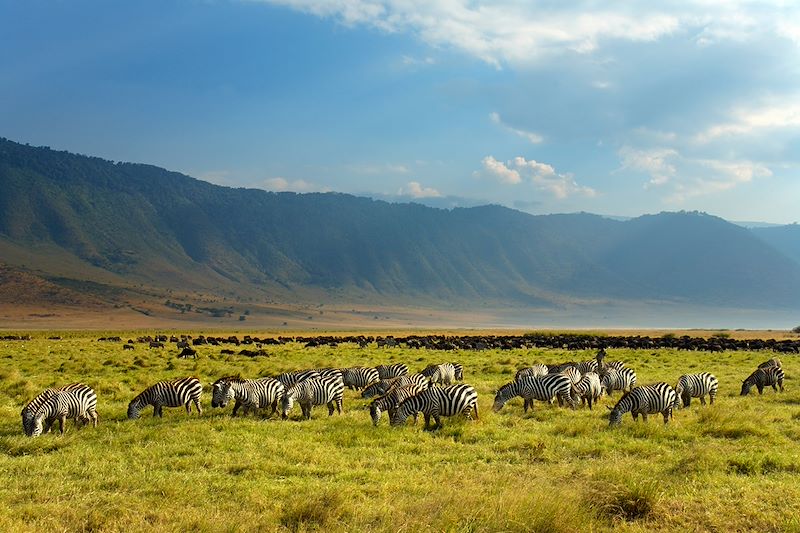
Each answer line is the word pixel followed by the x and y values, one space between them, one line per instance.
pixel 287 402
pixel 746 386
pixel 27 421
pixel 134 409
pixel 375 413
pixel 404 410
pixel 221 393
pixel 615 416
pixel 37 425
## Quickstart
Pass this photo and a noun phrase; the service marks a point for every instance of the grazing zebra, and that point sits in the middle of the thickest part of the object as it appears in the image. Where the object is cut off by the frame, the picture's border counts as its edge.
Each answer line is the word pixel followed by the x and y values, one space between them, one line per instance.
pixel 391 400
pixel 60 406
pixel 532 371
pixel 29 411
pixel 696 386
pixel 358 377
pixel 311 392
pixel 459 371
pixel 603 366
pixel 172 393
pixel 648 399
pixel 392 371
pixel 588 389
pixel 770 375
pixel 437 402
pixel 772 362
pixel 291 378
pixel 444 373
pixel 542 388
pixel 251 393
pixel 572 373
pixel 379 388
pixel 614 379
pixel 335 373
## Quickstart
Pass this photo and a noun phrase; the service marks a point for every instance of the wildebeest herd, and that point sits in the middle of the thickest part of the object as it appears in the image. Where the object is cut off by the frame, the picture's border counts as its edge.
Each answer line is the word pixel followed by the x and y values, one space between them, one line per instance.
pixel 391 388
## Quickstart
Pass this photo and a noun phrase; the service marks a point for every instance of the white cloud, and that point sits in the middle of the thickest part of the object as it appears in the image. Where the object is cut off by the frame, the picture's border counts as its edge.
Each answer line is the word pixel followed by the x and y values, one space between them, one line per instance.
pixel 654 161
pixel 377 169
pixel 753 120
pixel 520 32
pixel 280 184
pixel 415 190
pixel 542 175
pixel 533 138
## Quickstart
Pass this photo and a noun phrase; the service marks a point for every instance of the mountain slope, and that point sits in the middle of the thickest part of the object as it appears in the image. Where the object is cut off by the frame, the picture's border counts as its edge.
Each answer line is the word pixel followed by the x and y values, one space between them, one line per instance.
pixel 139 224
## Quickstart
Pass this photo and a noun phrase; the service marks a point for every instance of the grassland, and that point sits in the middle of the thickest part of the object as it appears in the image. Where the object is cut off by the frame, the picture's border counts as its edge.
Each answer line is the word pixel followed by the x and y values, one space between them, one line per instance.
pixel 730 467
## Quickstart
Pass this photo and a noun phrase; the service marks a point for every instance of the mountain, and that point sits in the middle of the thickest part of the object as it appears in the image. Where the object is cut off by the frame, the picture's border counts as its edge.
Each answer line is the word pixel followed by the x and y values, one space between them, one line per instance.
pixel 71 217
pixel 786 239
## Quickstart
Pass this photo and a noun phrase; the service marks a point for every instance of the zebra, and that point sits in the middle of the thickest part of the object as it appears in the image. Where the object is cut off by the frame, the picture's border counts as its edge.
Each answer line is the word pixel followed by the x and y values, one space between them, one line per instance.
pixel 696 386
pixel 379 388
pixel 291 378
pixel 771 375
pixel 644 400
pixel 542 388
pixel 311 392
pixel 444 373
pixel 358 377
pixel 335 373
pixel 532 371
pixel 29 411
pixel 251 393
pixel 437 402
pixel 62 405
pixel 588 389
pixel 772 362
pixel 391 400
pixel 614 379
pixel 572 373
pixel 603 366
pixel 392 371
pixel 585 367
pixel 170 393
pixel 459 371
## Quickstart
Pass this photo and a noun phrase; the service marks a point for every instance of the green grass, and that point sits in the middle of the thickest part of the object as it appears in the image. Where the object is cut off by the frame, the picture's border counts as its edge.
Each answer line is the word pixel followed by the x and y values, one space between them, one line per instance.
pixel 732 466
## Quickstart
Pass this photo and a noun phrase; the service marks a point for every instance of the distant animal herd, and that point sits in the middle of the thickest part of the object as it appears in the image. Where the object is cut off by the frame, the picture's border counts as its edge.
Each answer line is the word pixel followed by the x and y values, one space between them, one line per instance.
pixel 435 391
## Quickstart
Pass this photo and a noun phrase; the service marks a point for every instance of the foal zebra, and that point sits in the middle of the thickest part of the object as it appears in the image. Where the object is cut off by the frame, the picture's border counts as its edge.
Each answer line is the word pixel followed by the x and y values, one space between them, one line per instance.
pixel 648 399
pixel 379 388
pixel 252 394
pixel 391 400
pixel 29 411
pixel 311 392
pixel 358 377
pixel 172 393
pixel 614 379
pixel 762 377
pixel 392 371
pixel 62 405
pixel 696 386
pixel 437 402
pixel 588 389
pixel 542 388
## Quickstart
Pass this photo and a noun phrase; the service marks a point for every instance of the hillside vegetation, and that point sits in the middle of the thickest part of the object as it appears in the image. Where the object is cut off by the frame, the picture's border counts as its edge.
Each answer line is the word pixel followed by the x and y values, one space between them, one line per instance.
pixel 727 467
pixel 70 216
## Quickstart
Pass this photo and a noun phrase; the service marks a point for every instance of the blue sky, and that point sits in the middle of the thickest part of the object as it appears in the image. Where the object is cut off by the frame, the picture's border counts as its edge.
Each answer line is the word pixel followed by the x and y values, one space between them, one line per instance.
pixel 612 108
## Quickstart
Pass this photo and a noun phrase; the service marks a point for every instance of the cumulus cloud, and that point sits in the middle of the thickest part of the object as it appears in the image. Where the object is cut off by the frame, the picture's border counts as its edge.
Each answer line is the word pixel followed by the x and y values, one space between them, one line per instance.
pixel 415 190
pixel 542 175
pixel 755 119
pixel 280 184
pixel 533 138
pixel 654 161
pixel 511 31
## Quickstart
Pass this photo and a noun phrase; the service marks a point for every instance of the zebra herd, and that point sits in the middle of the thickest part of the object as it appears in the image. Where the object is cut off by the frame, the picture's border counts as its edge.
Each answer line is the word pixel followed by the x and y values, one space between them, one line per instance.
pixel 392 389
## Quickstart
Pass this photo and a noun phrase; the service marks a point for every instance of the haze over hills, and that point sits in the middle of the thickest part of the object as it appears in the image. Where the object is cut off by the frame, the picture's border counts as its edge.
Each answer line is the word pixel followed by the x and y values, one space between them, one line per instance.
pixel 84 222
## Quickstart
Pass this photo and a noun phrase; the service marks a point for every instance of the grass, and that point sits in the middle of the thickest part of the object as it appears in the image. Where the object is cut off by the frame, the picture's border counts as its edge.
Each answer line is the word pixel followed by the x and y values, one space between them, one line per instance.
pixel 731 466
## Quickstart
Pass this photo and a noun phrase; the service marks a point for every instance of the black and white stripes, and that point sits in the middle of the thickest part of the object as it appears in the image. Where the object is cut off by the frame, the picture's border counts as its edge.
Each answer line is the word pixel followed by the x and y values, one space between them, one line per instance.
pixel 76 402
pixel 311 392
pixel 437 402
pixel 648 399
pixel 542 388
pixel 252 394
pixel 172 393
pixel 696 386
pixel 770 376
pixel 85 392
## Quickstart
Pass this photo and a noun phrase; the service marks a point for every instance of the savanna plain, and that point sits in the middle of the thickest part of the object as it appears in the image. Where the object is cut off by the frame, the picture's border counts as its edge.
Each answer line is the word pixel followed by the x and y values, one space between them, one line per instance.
pixel 731 466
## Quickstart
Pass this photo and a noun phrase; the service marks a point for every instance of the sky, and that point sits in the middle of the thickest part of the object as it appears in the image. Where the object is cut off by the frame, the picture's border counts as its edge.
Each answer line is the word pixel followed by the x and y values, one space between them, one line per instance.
pixel 615 108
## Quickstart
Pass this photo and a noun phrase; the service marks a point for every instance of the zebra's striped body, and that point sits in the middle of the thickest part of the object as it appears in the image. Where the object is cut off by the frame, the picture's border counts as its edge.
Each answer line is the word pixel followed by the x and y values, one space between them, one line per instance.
pixel 588 389
pixel 542 388
pixel 648 399
pixel 391 400
pixel 572 373
pixel 172 393
pixel 359 377
pixel 614 379
pixel 443 374
pixel 379 388
pixel 696 386
pixel 772 362
pixel 437 402
pixel 60 406
pixel 311 392
pixel 532 371
pixel 252 394
pixel 392 371
pixel 768 376
pixel 585 367
pixel 335 373
pixel 29 411
pixel 291 378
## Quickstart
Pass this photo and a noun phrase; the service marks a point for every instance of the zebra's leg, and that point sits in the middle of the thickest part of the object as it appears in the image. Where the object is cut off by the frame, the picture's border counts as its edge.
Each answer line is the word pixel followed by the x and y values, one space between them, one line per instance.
pixel 160 411
pixel 475 410
pixel 781 384
pixel 775 387
pixel 667 415
pixel 197 405
pixel 644 417
pixel 587 399
pixel 331 407
pixel 236 407
pixel 703 399
pixel 427 418
pixel 62 421
pixel 339 406
pixel 437 420
pixel 188 407
pixel 274 406
pixel 760 389
pixel 155 410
